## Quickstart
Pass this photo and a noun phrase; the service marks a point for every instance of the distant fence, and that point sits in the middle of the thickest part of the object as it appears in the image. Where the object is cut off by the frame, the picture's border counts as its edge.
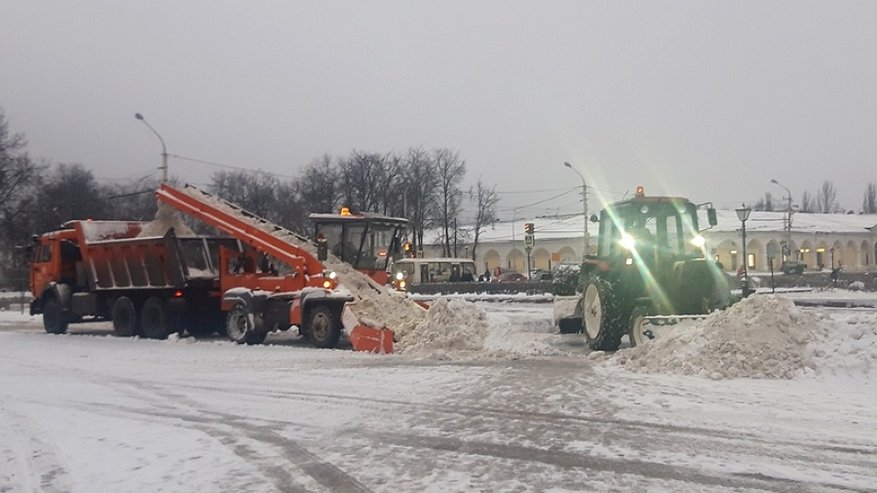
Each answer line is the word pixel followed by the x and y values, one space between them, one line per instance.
pixel 11 301
pixel 527 287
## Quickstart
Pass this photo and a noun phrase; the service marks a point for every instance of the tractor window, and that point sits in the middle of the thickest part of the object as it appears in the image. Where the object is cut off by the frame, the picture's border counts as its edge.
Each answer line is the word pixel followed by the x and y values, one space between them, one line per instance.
pixel 673 234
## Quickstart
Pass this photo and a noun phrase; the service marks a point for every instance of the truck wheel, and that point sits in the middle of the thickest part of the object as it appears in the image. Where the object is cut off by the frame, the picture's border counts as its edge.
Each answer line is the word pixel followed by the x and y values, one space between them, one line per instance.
pixel 154 319
pixel 241 326
pixel 54 319
pixel 124 317
pixel 601 315
pixel 324 326
pixel 637 330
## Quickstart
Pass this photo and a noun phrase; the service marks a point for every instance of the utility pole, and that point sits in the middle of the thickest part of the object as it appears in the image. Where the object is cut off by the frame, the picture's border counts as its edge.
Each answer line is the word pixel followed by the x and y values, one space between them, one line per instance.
pixel 584 208
pixel 787 248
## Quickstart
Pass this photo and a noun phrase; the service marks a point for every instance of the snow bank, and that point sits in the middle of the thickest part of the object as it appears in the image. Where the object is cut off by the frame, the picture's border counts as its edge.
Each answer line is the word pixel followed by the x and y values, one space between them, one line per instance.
pixel 762 336
pixel 449 328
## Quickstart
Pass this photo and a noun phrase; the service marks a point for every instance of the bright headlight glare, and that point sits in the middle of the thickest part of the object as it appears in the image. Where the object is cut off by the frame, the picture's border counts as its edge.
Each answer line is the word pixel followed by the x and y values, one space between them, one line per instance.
pixel 400 276
pixel 402 285
pixel 698 241
pixel 627 241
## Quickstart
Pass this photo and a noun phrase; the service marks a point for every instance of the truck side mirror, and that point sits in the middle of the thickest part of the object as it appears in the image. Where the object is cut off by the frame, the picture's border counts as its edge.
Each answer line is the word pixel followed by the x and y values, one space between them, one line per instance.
pixel 711 216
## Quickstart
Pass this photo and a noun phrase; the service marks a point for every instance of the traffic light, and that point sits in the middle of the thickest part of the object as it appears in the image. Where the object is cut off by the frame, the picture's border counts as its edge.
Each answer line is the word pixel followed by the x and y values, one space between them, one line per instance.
pixel 529 228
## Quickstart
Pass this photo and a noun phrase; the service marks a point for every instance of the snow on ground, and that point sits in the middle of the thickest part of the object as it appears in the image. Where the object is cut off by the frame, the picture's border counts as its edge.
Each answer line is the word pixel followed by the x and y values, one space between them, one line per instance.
pixel 528 410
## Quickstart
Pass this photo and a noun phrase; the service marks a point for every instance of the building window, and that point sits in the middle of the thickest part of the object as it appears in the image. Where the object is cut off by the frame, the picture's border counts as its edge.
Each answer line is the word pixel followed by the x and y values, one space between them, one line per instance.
pixel 750 261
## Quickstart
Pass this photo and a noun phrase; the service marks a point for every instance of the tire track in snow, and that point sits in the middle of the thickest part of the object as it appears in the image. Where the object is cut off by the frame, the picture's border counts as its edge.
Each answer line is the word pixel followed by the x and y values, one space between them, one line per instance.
pixel 36 465
pixel 325 473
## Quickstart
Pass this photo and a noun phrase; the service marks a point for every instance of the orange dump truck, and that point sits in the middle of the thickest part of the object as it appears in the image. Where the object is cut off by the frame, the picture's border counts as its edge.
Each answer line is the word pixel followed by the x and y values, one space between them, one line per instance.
pixel 101 270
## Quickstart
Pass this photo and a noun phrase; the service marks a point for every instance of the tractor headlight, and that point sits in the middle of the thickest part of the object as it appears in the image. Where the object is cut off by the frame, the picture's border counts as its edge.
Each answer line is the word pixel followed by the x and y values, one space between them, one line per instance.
pixel 400 276
pixel 330 274
pixel 698 241
pixel 627 241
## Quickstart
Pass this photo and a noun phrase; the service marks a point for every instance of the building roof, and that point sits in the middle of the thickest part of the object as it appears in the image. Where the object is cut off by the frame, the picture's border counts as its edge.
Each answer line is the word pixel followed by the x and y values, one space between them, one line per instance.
pixel 570 226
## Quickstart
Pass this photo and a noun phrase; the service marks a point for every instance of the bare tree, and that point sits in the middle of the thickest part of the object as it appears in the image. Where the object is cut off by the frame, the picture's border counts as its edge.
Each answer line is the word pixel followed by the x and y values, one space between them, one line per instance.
pixel 255 192
pixel 807 202
pixel 485 199
pixel 360 177
pixel 869 204
pixel 68 192
pixel 451 171
pixel 419 192
pixel 765 203
pixel 17 174
pixel 826 200
pixel 318 185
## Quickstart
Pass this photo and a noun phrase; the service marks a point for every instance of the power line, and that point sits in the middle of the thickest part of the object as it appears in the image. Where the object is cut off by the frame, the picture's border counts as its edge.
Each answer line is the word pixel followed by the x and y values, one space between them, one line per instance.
pixel 229 166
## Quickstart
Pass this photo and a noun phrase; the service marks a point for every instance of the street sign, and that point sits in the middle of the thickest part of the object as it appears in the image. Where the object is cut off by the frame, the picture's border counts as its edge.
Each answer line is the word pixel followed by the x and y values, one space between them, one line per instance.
pixel 529 240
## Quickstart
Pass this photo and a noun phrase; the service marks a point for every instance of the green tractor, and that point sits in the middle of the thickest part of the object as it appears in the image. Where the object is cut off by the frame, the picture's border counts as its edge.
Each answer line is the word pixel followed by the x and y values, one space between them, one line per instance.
pixel 650 269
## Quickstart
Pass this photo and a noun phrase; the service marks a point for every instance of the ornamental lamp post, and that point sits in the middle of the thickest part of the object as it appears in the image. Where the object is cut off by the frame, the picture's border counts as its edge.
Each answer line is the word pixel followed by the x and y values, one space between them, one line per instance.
pixel 163 147
pixel 743 214
pixel 584 207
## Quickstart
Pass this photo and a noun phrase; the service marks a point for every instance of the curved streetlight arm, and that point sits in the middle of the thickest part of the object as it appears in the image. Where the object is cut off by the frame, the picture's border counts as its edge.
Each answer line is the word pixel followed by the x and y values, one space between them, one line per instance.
pixel 163 146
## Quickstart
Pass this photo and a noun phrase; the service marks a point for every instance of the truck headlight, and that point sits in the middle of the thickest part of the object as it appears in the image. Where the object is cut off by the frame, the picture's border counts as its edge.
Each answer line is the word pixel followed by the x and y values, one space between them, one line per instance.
pixel 330 274
pixel 627 241
pixel 698 241
pixel 400 276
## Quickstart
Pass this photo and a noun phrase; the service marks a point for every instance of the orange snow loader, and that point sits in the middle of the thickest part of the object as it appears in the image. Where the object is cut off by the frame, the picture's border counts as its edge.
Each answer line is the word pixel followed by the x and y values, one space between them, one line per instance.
pixel 277 281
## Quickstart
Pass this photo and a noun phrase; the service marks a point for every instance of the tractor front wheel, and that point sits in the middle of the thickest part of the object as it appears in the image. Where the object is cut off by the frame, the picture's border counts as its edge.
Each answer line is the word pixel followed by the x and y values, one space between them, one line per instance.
pixel 637 330
pixel 602 313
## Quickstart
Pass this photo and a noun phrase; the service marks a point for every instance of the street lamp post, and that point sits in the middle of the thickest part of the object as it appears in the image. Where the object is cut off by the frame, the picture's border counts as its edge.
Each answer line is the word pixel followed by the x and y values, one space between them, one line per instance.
pixel 787 251
pixel 743 215
pixel 163 147
pixel 584 208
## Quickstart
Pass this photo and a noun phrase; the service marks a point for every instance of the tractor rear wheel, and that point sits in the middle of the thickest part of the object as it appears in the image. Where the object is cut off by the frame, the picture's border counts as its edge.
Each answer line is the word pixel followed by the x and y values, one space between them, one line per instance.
pixel 602 315
pixel 55 320
pixel 124 317
pixel 241 326
pixel 324 326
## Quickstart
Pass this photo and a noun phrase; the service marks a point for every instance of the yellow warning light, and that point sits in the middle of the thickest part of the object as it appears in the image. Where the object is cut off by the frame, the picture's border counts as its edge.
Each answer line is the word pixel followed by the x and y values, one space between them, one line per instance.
pixel 345 211
pixel 640 191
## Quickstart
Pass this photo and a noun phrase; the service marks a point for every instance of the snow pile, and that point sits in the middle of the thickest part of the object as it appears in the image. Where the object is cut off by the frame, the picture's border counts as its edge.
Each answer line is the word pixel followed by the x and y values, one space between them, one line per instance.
pixel 847 344
pixel 759 337
pixel 451 330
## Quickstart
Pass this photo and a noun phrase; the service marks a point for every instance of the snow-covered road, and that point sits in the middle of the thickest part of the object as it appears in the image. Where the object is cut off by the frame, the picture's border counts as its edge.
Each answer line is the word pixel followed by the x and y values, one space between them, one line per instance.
pixel 90 412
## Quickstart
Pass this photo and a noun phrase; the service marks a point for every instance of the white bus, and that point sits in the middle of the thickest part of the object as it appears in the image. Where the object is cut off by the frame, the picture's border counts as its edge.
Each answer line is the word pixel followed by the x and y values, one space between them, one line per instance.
pixel 412 271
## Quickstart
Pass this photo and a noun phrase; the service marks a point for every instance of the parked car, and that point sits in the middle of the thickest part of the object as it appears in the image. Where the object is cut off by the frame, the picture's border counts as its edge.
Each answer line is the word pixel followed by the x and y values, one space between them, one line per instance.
pixel 510 277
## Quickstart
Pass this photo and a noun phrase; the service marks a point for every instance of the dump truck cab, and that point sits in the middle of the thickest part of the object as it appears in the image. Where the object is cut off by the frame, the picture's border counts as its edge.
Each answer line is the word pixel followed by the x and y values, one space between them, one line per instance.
pixel 650 261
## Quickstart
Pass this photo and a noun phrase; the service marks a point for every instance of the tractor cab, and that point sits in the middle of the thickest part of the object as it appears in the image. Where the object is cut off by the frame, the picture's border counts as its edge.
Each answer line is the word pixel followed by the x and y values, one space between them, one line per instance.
pixel 651 231
pixel 367 241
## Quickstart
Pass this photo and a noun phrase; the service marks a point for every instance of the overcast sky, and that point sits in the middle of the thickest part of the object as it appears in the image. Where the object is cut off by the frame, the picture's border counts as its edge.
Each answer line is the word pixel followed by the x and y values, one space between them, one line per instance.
pixel 708 100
